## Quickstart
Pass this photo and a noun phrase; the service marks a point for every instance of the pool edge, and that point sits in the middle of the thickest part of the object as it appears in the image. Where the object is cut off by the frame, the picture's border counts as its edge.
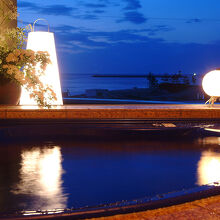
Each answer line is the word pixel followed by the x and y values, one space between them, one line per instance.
pixel 189 195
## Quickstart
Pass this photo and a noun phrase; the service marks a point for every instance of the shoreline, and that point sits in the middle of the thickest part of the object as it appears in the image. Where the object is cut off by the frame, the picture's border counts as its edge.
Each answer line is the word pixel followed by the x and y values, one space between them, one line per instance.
pixel 189 94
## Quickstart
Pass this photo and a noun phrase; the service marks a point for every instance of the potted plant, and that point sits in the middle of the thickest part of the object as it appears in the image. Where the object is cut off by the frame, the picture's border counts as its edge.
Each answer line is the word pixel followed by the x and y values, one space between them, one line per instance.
pixel 20 67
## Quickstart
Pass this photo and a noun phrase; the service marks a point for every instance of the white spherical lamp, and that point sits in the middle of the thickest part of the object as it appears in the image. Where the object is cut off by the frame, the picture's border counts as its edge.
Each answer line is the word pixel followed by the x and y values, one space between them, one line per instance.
pixel 211 85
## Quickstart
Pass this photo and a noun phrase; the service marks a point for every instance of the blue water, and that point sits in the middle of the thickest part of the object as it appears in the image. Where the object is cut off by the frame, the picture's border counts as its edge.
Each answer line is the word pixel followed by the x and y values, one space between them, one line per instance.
pixel 78 173
pixel 78 83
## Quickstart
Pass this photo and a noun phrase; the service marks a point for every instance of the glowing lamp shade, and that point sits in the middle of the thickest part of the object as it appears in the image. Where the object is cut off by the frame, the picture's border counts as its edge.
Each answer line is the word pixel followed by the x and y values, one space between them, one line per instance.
pixel 44 41
pixel 211 83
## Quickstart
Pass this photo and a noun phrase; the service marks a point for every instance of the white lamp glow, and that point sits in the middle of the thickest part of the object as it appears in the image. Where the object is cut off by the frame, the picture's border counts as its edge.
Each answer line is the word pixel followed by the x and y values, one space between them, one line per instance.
pixel 208 168
pixel 211 83
pixel 44 41
pixel 41 178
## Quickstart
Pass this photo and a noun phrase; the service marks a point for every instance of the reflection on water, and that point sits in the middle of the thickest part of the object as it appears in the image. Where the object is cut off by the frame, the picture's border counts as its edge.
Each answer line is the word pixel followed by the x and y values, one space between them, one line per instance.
pixel 208 168
pixel 41 178
pixel 209 140
pixel 101 171
pixel 213 130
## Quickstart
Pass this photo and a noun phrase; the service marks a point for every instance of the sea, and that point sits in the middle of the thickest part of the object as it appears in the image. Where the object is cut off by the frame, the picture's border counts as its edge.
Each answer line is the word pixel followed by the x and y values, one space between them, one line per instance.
pixel 78 83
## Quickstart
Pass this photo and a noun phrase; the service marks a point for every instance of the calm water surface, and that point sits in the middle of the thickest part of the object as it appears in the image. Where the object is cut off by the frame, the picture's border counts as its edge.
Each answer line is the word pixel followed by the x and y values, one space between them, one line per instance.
pixel 72 174
pixel 79 83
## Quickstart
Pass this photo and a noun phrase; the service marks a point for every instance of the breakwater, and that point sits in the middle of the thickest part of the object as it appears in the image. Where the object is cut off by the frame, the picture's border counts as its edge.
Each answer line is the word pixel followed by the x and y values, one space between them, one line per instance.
pixel 120 76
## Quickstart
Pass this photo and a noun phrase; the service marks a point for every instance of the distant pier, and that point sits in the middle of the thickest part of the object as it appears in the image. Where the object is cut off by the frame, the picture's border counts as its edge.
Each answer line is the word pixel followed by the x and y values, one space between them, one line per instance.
pixel 119 75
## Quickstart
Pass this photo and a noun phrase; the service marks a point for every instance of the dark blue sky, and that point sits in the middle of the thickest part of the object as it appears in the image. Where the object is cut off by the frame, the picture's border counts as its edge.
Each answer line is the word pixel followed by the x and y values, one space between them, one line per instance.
pixel 131 36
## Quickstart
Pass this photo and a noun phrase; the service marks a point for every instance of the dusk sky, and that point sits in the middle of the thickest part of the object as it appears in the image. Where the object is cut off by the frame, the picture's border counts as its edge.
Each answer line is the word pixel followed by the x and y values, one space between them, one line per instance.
pixel 131 36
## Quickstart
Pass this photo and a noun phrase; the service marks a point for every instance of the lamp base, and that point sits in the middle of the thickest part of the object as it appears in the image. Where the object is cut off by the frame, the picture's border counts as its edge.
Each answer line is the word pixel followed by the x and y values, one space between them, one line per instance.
pixel 212 100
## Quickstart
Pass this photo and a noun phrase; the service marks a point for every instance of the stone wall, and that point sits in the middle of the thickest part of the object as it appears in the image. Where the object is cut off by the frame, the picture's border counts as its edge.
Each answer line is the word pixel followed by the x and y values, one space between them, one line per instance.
pixel 6 10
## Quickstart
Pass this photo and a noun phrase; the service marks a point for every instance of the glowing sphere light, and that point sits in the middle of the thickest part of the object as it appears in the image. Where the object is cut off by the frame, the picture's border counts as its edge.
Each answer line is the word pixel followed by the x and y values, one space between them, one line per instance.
pixel 211 83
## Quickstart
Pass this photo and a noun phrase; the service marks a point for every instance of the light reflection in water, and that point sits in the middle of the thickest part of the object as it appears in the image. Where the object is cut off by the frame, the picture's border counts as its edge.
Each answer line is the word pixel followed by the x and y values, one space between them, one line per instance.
pixel 208 168
pixel 41 178
pixel 209 140
pixel 213 130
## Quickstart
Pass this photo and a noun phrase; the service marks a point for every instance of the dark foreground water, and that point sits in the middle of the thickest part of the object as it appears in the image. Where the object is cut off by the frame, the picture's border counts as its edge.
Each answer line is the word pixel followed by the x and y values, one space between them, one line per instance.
pixel 72 174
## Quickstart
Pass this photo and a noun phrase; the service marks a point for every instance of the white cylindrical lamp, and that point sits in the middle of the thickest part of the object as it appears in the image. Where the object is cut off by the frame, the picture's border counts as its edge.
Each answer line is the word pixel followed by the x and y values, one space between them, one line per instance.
pixel 44 41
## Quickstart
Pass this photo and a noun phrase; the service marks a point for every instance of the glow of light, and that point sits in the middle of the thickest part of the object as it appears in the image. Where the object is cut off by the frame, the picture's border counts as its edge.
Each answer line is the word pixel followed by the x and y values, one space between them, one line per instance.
pixel 50 171
pixel 43 212
pixel 213 129
pixel 211 82
pixel 208 168
pixel 44 41
pixel 37 107
pixel 209 141
pixel 41 177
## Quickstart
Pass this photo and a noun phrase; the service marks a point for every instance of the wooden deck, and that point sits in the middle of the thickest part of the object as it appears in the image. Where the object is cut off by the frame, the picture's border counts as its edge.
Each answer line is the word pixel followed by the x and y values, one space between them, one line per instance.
pixel 114 111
